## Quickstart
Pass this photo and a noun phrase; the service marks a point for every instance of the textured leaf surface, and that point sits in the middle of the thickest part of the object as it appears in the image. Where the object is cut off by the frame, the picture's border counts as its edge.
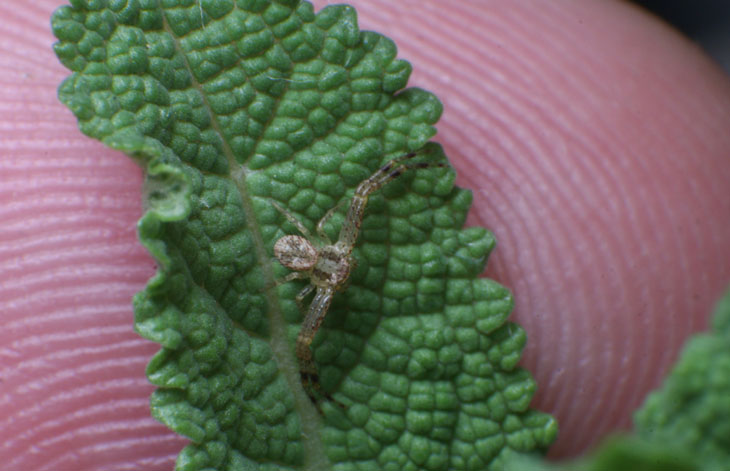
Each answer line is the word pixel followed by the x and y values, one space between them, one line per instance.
pixel 230 105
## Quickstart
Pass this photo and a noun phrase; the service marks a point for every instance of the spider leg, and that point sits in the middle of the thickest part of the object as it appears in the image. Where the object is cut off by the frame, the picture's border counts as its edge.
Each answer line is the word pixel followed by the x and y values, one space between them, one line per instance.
pixel 295 275
pixel 303 294
pixel 290 217
pixel 307 368
pixel 320 225
pixel 388 172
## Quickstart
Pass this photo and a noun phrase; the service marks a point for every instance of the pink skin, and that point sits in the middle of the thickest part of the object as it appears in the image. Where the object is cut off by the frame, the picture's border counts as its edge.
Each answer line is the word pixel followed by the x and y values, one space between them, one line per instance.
pixel 595 140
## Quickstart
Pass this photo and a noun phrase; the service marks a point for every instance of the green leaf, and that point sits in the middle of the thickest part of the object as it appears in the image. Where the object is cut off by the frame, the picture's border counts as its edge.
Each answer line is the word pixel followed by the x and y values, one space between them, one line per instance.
pixel 692 408
pixel 229 106
pixel 617 453
pixel 683 426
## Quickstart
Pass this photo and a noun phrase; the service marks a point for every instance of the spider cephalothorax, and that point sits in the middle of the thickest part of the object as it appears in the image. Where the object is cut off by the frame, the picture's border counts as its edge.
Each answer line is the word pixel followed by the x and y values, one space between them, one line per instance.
pixel 327 265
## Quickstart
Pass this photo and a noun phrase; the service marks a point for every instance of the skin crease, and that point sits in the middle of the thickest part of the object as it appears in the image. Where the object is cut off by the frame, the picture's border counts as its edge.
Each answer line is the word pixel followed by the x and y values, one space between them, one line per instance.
pixel 595 141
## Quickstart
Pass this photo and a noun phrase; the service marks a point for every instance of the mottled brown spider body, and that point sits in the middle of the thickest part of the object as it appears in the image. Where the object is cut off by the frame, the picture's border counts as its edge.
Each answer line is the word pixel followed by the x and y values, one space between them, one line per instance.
pixel 327 265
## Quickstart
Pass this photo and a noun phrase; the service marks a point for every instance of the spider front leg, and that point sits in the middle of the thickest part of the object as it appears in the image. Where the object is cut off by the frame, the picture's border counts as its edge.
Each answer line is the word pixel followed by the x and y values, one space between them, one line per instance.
pixel 320 225
pixel 290 217
pixel 385 174
pixel 307 368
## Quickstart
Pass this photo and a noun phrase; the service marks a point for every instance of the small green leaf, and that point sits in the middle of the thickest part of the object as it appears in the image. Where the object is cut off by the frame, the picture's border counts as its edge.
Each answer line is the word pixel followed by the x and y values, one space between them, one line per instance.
pixel 692 408
pixel 229 106
pixel 617 454
pixel 683 426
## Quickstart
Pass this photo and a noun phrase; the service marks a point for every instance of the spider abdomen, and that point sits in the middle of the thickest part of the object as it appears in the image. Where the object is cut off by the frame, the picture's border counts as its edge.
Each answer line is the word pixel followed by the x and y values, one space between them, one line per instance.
pixel 295 252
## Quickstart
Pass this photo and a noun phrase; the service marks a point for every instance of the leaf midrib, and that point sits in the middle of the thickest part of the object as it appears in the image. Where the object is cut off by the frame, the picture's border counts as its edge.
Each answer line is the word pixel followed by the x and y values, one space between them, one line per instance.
pixel 314 456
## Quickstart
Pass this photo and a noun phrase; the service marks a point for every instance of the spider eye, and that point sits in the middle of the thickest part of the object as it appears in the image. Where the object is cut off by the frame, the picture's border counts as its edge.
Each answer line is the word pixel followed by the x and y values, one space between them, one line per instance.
pixel 295 252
